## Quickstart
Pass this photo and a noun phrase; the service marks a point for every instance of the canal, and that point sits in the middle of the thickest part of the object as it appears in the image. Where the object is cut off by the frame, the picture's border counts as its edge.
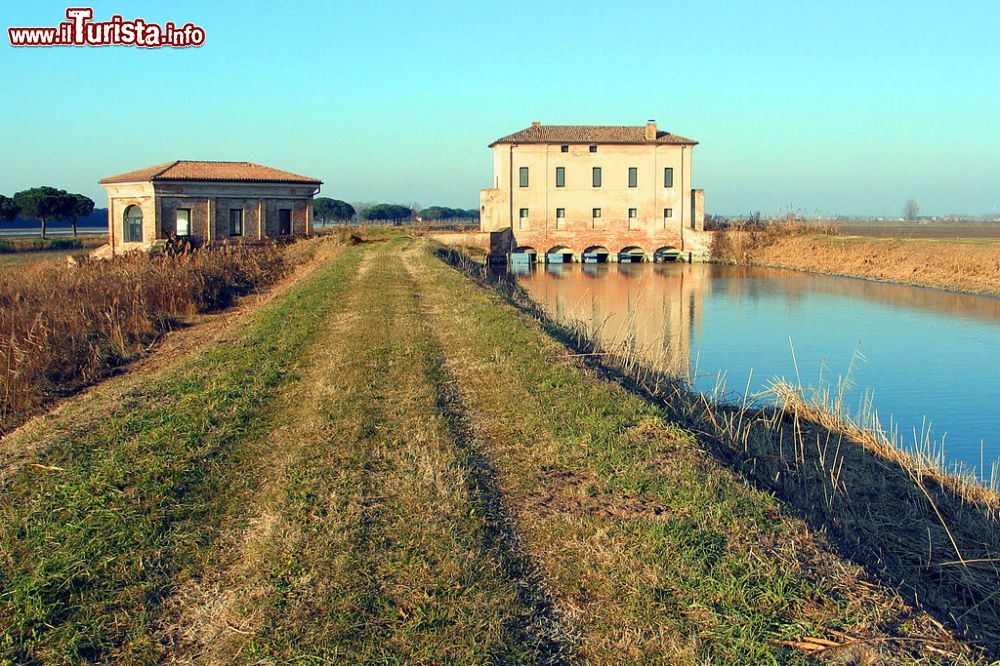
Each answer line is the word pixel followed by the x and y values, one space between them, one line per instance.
pixel 926 361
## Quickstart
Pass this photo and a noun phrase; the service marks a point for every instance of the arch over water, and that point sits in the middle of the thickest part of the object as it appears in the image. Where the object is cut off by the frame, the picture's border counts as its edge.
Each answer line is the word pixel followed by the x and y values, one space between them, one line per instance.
pixel 667 253
pixel 633 254
pixel 596 254
pixel 523 256
pixel 560 254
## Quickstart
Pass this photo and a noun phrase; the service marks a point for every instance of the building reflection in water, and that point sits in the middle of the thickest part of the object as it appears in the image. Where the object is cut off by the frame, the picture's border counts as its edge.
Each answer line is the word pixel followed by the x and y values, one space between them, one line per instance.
pixel 650 309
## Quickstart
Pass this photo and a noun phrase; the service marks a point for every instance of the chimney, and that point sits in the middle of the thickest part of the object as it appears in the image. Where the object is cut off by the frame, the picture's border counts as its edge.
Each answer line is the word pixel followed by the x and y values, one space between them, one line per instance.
pixel 536 123
pixel 650 130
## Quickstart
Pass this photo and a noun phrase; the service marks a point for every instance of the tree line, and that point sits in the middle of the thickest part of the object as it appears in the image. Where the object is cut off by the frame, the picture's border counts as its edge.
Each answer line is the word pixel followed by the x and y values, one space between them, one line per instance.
pixel 46 204
pixel 334 210
pixel 444 213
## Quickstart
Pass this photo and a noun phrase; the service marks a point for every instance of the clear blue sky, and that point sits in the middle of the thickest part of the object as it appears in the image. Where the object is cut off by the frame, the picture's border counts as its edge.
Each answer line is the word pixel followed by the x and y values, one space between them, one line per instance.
pixel 848 107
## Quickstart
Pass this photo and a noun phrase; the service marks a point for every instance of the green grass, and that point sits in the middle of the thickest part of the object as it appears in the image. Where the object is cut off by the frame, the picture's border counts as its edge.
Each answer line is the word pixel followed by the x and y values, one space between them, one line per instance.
pixel 383 559
pixel 720 575
pixel 391 464
pixel 89 550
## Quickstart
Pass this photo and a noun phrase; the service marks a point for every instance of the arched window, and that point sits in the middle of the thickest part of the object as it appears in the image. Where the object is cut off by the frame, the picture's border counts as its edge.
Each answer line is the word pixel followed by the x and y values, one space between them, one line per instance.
pixel 133 225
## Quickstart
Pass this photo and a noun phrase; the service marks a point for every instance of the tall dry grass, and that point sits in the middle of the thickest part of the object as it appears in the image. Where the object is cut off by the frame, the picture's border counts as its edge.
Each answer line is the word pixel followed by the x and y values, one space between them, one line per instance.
pixel 959 266
pixel 66 326
pixel 740 241
pixel 945 264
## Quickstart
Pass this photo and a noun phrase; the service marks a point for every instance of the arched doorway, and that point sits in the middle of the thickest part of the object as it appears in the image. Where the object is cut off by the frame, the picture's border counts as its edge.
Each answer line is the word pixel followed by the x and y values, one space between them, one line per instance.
pixel 596 255
pixel 631 255
pixel 523 254
pixel 667 253
pixel 132 225
pixel 560 254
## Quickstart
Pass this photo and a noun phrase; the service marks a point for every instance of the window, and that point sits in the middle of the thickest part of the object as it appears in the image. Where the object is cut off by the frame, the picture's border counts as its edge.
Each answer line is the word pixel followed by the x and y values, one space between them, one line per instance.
pixel 235 221
pixel 133 224
pixel 597 212
pixel 668 212
pixel 183 227
pixel 560 176
pixel 560 213
pixel 523 174
pixel 668 177
pixel 522 213
pixel 633 177
pixel 563 149
pixel 284 221
pixel 633 213
pixel 593 149
pixel 597 176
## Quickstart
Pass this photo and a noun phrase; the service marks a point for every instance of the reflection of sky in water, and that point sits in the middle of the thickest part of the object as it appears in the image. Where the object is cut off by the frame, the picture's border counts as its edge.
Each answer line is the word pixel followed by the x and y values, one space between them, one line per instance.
pixel 927 353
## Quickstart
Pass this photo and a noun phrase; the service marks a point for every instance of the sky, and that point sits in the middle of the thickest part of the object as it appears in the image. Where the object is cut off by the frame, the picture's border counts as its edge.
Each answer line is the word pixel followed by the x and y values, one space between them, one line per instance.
pixel 820 108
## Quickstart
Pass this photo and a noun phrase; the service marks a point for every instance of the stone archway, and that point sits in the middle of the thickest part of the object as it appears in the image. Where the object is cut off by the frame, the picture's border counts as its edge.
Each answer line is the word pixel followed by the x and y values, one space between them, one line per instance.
pixel 560 254
pixel 667 253
pixel 633 254
pixel 596 254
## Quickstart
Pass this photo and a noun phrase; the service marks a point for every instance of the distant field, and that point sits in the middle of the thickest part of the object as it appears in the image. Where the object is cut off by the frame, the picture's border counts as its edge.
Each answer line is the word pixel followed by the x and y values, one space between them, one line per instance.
pixel 942 230
pixel 21 258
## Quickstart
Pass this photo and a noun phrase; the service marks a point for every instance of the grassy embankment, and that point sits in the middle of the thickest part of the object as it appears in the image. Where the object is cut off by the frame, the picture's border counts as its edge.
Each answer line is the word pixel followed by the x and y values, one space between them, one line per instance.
pixel 932 535
pixel 969 265
pixel 392 464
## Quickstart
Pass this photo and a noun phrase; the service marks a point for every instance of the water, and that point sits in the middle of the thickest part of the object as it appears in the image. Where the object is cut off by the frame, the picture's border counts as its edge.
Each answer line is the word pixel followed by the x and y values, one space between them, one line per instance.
pixel 931 359
pixel 51 232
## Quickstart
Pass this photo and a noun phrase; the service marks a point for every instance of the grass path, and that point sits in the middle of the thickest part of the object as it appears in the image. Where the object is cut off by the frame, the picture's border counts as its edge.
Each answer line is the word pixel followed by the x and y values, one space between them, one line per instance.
pixel 125 494
pixel 378 555
pixel 391 465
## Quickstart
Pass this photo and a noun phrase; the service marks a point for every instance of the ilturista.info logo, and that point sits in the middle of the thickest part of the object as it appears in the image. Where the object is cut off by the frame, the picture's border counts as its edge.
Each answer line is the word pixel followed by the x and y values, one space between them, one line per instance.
pixel 81 30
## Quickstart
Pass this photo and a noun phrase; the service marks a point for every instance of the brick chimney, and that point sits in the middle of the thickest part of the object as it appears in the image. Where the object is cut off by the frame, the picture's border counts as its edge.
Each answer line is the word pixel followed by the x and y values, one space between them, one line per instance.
pixel 650 130
pixel 536 123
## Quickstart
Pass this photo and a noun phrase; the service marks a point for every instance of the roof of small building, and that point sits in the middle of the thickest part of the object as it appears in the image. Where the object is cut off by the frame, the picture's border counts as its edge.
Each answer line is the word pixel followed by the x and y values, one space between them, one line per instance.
pixel 591 134
pixel 244 172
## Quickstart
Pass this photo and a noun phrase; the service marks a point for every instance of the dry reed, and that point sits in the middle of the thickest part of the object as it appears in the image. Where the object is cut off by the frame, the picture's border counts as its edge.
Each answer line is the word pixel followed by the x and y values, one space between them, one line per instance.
pixel 960 266
pixel 66 326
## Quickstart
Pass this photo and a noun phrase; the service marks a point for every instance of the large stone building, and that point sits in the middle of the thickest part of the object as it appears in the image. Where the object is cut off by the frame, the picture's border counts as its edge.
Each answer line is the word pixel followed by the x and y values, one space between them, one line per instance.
pixel 624 191
pixel 206 201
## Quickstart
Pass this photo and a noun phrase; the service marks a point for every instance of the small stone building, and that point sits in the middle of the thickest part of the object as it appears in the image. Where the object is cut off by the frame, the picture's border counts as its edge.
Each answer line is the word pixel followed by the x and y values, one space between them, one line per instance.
pixel 207 201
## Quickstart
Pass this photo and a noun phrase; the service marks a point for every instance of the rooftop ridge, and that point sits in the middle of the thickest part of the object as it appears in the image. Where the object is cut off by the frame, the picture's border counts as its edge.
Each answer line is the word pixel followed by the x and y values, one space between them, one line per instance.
pixel 620 134
pixel 210 170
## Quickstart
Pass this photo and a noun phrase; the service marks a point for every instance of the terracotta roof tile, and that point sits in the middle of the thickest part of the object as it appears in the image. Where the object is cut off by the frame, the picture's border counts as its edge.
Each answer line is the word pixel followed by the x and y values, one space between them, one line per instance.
pixel 591 134
pixel 246 172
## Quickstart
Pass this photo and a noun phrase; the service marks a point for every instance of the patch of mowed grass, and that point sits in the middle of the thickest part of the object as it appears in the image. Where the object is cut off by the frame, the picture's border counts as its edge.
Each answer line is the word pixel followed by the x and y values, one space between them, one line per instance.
pixel 722 575
pixel 382 557
pixel 92 543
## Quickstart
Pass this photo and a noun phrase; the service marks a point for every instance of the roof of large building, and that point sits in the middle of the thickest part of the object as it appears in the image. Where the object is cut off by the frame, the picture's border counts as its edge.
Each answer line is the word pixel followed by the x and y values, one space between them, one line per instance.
pixel 244 172
pixel 538 133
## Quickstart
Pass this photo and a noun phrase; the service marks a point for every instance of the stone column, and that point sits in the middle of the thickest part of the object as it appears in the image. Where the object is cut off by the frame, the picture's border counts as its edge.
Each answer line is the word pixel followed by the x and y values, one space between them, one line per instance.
pixel 261 218
pixel 210 231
